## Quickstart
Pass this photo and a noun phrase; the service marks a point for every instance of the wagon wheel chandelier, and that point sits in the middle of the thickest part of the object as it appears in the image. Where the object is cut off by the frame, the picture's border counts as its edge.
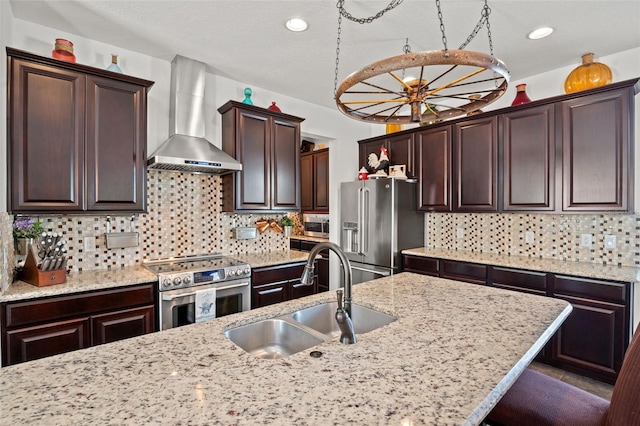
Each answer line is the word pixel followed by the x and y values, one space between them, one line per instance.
pixel 440 84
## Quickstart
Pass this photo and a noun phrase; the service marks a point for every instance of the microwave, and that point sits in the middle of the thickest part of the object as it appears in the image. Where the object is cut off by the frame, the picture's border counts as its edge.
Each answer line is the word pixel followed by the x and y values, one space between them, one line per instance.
pixel 316 225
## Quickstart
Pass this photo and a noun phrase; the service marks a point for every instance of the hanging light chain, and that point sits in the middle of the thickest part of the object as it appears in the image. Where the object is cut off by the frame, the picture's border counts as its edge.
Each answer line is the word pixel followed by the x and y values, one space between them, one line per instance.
pixel 484 19
pixel 444 37
pixel 343 12
pixel 485 12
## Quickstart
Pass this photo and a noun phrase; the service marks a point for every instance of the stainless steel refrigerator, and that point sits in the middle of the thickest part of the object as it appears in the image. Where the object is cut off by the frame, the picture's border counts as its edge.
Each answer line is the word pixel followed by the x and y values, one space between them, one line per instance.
pixel 378 219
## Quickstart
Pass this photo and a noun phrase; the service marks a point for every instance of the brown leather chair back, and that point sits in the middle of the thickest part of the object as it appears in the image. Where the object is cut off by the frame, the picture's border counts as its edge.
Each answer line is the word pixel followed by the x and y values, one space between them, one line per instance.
pixel 624 409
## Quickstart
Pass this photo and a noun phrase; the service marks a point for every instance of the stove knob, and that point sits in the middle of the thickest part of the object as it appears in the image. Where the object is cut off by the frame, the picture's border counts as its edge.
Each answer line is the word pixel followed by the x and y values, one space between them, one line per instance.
pixel 231 272
pixel 246 271
pixel 177 281
pixel 166 282
pixel 186 280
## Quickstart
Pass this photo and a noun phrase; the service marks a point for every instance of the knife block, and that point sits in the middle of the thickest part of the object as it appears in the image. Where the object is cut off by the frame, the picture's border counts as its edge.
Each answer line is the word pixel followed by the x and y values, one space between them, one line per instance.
pixel 34 276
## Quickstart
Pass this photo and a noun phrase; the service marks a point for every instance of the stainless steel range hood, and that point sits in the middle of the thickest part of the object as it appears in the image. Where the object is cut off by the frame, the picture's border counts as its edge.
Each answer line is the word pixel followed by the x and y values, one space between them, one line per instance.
pixel 187 150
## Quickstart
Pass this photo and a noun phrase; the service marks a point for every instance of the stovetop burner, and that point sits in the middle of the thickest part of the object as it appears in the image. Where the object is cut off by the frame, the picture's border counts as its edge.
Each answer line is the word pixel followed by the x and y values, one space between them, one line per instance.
pixel 192 270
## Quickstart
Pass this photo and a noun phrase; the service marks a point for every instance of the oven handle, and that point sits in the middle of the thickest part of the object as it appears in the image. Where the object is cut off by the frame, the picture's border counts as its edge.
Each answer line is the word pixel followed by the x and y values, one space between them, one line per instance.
pixel 193 293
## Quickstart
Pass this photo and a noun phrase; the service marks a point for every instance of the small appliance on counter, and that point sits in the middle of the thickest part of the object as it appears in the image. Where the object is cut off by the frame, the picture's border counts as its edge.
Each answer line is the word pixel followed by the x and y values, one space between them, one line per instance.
pixel 316 225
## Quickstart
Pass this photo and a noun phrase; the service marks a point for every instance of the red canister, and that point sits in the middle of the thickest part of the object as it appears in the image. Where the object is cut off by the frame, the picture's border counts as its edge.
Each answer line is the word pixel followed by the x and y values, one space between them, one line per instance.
pixel 63 50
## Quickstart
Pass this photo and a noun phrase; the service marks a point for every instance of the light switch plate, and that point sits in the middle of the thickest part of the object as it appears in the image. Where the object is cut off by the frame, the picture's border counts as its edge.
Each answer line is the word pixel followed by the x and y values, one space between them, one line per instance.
pixel 586 240
pixel 529 237
pixel 610 242
pixel 459 233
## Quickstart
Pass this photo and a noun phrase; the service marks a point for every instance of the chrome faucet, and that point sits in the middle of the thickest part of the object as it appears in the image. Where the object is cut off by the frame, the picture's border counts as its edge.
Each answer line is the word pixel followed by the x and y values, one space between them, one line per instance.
pixel 343 314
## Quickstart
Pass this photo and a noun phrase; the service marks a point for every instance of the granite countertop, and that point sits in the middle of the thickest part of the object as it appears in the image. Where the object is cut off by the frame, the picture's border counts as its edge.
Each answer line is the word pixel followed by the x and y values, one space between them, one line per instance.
pixel 81 281
pixel 592 270
pixel 308 238
pixel 452 353
pixel 120 277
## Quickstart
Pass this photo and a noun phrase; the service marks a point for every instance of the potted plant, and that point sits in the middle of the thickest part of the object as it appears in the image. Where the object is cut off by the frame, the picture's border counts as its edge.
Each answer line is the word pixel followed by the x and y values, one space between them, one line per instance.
pixel 287 224
pixel 25 229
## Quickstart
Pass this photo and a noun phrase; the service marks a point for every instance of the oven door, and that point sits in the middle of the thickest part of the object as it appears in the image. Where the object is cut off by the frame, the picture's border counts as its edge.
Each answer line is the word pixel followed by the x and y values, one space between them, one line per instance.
pixel 177 307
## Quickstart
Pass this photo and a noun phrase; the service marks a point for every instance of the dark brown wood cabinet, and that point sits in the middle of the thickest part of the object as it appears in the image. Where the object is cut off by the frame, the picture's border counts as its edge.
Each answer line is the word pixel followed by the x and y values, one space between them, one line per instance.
pixel 314 181
pixel 37 328
pixel 593 339
pixel 400 147
pixel 529 159
pixel 596 148
pixel 77 137
pixel 279 283
pixel 433 168
pixel 267 143
pixel 475 162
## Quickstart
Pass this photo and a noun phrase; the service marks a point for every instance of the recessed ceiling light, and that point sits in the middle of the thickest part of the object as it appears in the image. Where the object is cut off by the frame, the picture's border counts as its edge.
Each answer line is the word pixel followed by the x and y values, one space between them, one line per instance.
pixel 296 24
pixel 540 33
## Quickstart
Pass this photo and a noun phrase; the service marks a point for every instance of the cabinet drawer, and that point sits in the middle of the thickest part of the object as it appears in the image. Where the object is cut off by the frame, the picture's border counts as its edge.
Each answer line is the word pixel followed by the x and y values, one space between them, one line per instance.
pixel 512 279
pixel 421 265
pixel 294 244
pixel 271 274
pixel 56 308
pixel 307 245
pixel 606 291
pixel 463 271
pixel 119 325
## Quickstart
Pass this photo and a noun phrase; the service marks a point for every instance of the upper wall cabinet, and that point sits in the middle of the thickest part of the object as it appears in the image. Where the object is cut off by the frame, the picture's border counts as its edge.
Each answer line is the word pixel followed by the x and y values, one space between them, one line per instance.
pixel 400 147
pixel 267 143
pixel 77 137
pixel 314 179
pixel 570 153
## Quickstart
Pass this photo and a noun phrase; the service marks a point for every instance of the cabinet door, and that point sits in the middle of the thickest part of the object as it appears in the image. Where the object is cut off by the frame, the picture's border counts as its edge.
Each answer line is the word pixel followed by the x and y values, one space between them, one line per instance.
pixel 433 148
pixel 401 151
pixel 421 265
pixel 519 280
pixel 321 181
pixel 476 165
pixel 366 148
pixel 119 325
pixel 528 138
pixel 323 272
pixel 286 166
pixel 463 271
pixel 253 183
pixel 27 344
pixel 306 182
pixel 116 145
pixel 596 142
pixel 46 138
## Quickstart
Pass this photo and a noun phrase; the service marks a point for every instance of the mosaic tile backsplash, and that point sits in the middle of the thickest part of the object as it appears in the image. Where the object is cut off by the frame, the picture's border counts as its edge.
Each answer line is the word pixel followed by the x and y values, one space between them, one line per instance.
pixel 551 236
pixel 185 217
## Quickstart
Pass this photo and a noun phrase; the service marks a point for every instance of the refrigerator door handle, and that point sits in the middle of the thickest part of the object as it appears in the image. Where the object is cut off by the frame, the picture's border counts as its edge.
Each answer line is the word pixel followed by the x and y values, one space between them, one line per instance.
pixel 363 226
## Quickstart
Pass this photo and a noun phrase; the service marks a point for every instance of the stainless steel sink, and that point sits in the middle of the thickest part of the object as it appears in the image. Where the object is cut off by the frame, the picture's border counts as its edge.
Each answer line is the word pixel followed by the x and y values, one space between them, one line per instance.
pixel 322 318
pixel 272 338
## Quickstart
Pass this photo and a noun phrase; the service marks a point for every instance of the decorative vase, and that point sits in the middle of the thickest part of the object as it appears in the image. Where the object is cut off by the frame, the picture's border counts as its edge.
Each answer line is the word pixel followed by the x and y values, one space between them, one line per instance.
pixel 247 96
pixel 22 246
pixel 274 107
pixel 63 50
pixel 113 67
pixel 392 128
pixel 588 75
pixel 521 95
pixel 288 230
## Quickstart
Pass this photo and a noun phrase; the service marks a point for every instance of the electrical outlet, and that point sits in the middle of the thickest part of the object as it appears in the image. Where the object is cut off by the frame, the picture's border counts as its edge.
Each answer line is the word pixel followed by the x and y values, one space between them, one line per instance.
pixel 459 233
pixel 529 237
pixel 586 240
pixel 89 244
pixel 610 242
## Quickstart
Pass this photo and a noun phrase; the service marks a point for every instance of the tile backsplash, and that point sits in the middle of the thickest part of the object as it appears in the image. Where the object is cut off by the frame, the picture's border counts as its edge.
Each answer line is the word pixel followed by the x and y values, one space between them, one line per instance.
pixel 185 217
pixel 551 236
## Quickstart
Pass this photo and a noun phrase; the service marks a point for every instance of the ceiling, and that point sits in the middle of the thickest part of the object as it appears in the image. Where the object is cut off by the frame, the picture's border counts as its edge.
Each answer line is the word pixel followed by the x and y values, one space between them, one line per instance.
pixel 247 41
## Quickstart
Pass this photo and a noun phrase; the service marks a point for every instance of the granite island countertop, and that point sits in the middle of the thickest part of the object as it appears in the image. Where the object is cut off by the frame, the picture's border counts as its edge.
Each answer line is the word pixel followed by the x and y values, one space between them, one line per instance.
pixel 453 351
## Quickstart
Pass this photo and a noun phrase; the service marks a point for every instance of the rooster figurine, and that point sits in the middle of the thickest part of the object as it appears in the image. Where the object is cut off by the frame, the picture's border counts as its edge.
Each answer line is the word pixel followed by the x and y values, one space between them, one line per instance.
pixel 380 165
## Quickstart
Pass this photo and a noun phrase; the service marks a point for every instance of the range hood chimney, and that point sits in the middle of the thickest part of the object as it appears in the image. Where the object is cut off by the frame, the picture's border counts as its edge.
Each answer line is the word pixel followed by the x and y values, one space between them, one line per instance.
pixel 187 150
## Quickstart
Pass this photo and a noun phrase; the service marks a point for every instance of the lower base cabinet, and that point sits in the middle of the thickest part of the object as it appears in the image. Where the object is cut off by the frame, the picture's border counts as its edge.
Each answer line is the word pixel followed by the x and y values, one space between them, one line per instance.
pixel 279 283
pixel 37 328
pixel 593 339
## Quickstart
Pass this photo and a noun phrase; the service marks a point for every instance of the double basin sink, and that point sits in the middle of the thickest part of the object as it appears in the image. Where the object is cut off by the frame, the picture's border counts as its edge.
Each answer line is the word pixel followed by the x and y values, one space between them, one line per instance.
pixel 288 334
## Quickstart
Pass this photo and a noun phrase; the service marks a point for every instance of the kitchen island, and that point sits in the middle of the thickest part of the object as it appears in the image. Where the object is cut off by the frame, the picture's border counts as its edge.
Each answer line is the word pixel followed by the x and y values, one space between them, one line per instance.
pixel 448 358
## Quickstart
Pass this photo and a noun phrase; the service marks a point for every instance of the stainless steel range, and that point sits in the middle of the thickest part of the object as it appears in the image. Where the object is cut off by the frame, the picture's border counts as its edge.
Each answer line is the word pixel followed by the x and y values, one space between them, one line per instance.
pixel 199 287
